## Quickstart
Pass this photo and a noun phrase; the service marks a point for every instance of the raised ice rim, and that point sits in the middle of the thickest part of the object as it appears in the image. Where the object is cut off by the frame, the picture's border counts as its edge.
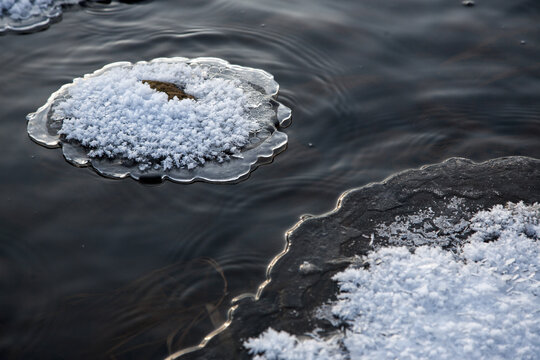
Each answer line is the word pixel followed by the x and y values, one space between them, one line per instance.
pixel 48 17
pixel 213 172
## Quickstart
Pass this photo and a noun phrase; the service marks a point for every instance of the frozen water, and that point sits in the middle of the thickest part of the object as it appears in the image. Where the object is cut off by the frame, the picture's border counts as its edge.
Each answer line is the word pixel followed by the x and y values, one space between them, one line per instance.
pixel 116 115
pixel 121 126
pixel 482 301
pixel 426 227
pixel 24 15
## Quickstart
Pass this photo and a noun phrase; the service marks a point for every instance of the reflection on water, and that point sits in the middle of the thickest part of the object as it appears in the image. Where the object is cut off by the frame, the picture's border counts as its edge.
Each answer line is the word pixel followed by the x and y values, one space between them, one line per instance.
pixel 375 87
pixel 160 312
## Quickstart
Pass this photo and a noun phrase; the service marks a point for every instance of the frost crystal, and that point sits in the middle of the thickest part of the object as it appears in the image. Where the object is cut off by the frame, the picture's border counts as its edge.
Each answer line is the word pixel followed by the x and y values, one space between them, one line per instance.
pixel 25 14
pixel 480 302
pixel 425 227
pixel 117 115
pixel 169 118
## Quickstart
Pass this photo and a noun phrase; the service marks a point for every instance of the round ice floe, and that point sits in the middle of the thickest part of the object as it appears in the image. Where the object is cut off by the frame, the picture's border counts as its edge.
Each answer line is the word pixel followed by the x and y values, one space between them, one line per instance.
pixel 26 15
pixel 186 120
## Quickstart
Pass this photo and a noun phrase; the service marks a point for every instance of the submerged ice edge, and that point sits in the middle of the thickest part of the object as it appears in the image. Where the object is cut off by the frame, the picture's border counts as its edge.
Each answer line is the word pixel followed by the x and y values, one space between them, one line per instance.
pixel 272 146
pixel 257 294
pixel 264 153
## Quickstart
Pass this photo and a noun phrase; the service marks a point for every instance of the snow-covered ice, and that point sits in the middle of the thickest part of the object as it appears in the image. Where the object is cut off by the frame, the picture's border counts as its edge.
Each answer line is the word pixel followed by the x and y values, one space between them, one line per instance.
pixel 115 121
pixel 480 301
pixel 427 227
pixel 116 115
pixel 24 14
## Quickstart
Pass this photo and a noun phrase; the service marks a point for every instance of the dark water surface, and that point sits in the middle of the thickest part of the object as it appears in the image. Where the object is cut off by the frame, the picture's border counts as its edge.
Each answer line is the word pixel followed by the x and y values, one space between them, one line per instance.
pixel 94 268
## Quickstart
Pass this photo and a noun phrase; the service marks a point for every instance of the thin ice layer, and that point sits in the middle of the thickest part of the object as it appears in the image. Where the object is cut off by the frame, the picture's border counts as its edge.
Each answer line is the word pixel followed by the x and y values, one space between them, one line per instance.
pixel 425 227
pixel 116 115
pixel 481 302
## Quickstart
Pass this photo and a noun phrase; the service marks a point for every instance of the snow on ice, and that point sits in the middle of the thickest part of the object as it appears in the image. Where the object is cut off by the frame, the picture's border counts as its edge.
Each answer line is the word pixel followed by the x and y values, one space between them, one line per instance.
pixel 115 114
pixel 481 300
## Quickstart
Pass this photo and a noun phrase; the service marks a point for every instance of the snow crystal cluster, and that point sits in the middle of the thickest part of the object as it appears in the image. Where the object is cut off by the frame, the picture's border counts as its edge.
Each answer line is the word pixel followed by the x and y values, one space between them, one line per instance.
pixel 426 227
pixel 277 345
pixel 116 115
pixel 25 9
pixel 481 301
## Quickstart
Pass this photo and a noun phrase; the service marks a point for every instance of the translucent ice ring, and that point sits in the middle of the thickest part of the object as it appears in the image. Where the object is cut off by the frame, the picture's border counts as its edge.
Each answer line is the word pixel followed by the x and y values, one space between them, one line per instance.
pixel 263 145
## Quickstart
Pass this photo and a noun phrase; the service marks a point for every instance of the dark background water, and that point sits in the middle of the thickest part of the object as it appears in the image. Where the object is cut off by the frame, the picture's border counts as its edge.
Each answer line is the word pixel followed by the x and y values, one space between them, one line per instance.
pixel 95 268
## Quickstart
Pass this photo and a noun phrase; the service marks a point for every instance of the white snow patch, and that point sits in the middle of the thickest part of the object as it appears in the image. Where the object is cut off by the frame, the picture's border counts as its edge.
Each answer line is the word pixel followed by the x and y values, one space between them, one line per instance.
pixel 115 115
pixel 481 302
pixel 25 9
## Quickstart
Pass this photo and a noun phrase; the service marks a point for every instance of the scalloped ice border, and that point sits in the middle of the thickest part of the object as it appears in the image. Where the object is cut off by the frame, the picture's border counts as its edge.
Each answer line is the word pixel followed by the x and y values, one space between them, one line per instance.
pixel 212 172
pixel 39 22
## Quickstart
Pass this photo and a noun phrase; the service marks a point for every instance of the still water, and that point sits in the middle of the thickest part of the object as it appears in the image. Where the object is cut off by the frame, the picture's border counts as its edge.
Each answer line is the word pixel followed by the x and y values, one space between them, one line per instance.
pixel 94 268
